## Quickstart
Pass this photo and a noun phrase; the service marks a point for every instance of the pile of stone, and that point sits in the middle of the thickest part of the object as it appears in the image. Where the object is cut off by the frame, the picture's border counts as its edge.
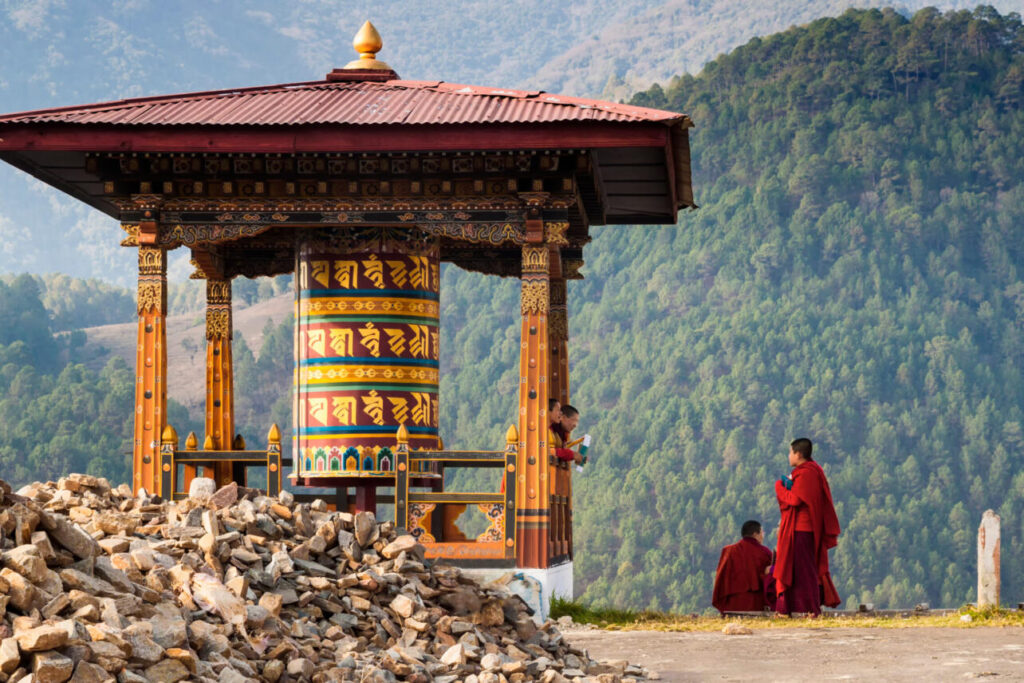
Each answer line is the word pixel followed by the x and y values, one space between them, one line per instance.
pixel 98 584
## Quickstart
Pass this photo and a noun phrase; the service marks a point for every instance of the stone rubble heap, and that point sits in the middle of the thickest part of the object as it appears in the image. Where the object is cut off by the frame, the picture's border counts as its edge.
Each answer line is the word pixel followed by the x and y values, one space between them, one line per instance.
pixel 100 585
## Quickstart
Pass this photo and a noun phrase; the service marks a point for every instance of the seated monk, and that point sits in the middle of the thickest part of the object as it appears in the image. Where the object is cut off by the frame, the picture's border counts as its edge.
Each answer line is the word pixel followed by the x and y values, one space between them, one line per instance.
pixel 742 567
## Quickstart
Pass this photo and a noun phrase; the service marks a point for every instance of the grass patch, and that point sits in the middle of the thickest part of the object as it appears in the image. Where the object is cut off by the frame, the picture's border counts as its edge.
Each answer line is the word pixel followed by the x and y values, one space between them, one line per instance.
pixel 627 620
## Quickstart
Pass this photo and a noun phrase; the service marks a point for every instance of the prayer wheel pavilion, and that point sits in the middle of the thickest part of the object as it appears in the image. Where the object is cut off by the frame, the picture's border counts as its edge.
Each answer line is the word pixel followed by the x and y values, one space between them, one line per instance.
pixel 360 185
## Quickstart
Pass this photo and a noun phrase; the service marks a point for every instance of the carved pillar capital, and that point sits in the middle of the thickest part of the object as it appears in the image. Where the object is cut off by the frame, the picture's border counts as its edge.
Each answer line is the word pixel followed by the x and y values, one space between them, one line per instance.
pixel 535 295
pixel 152 281
pixel 218 309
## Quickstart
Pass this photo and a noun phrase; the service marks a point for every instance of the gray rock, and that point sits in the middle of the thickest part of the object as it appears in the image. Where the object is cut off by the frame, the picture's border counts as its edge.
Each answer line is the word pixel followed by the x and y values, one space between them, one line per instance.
pixel 51 667
pixel 202 488
pixel 366 529
pixel 167 671
pixel 301 667
pixel 79 543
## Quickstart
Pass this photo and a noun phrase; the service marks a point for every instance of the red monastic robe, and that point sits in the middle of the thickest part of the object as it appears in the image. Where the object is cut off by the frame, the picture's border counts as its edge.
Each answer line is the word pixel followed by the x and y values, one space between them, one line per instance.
pixel 739 580
pixel 811 489
pixel 557 437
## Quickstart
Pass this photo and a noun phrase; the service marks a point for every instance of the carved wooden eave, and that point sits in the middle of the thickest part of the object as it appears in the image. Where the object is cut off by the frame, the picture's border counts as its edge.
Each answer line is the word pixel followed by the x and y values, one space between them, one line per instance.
pixel 256 236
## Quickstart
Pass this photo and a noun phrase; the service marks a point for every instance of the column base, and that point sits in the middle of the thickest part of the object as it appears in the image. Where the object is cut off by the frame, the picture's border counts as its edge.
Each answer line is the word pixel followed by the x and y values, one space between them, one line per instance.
pixel 535 586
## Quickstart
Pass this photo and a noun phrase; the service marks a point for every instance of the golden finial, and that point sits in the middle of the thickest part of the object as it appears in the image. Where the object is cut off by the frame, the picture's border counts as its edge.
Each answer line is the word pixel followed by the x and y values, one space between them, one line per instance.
pixel 191 442
pixel 512 435
pixel 368 43
pixel 403 434
pixel 238 444
pixel 169 435
pixel 209 444
pixel 274 434
pixel 440 444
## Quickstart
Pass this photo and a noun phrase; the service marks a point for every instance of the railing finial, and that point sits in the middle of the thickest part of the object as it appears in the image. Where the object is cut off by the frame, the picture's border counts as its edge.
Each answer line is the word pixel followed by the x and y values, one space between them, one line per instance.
pixel 169 436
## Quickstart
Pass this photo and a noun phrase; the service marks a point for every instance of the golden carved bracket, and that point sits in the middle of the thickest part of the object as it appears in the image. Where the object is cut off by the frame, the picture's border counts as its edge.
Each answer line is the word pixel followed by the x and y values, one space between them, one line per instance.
pixel 132 239
pixel 534 296
pixel 555 232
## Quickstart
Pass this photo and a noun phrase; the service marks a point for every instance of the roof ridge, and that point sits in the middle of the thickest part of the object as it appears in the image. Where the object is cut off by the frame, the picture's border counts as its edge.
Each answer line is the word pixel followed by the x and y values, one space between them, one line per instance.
pixel 544 105
pixel 150 99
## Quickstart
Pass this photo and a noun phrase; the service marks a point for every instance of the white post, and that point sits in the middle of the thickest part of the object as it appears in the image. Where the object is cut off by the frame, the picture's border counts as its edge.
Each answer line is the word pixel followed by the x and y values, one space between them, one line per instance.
pixel 988 560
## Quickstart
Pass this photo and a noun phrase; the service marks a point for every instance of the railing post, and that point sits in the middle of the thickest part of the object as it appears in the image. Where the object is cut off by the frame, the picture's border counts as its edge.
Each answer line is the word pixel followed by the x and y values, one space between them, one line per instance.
pixel 191 444
pixel 168 444
pixel 402 479
pixel 273 460
pixel 511 453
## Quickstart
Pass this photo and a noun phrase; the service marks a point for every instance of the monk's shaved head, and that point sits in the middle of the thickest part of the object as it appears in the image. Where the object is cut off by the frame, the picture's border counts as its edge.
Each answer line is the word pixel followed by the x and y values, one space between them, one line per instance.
pixel 750 528
pixel 804 447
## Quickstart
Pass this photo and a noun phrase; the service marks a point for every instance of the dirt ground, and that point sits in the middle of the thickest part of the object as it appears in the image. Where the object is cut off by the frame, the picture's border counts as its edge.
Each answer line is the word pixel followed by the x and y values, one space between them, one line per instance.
pixel 924 655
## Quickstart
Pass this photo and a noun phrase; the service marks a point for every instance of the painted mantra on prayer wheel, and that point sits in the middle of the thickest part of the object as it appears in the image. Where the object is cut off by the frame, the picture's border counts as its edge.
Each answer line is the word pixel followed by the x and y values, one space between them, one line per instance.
pixel 366 350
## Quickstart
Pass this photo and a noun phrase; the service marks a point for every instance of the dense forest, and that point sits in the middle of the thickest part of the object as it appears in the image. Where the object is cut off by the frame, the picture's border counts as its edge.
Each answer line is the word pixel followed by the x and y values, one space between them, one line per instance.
pixel 852 276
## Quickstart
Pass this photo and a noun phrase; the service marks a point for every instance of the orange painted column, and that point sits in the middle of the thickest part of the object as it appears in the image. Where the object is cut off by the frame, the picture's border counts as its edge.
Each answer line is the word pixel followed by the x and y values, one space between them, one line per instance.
pixel 532 495
pixel 150 369
pixel 558 334
pixel 220 395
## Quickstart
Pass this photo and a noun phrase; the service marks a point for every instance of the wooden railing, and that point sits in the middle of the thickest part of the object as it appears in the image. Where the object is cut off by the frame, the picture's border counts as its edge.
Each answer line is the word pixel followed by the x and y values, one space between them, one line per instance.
pixel 415 510
pixel 560 506
pixel 171 458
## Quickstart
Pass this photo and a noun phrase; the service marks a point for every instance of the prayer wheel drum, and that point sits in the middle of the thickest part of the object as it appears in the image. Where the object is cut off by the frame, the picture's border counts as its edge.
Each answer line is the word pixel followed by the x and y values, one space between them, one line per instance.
pixel 366 349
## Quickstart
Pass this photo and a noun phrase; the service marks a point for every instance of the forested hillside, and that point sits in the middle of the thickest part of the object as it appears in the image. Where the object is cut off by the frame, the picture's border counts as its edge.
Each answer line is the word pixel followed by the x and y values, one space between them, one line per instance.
pixel 852 276
pixel 56 416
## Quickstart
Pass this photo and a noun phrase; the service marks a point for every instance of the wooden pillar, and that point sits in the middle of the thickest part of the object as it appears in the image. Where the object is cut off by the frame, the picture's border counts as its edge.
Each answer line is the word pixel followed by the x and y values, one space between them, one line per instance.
pixel 558 333
pixel 532 496
pixel 366 498
pixel 150 369
pixel 220 396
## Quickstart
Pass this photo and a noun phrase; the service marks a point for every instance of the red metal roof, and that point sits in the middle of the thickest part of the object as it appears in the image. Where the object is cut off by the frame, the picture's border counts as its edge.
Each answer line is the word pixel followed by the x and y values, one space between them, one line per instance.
pixel 356 102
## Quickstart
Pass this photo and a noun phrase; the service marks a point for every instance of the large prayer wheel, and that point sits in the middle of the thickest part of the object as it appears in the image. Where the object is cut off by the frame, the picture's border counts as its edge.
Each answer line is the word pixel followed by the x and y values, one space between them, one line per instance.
pixel 367 335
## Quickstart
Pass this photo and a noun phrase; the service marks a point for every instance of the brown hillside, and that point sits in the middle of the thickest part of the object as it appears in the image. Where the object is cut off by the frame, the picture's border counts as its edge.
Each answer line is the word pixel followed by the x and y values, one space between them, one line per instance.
pixel 185 366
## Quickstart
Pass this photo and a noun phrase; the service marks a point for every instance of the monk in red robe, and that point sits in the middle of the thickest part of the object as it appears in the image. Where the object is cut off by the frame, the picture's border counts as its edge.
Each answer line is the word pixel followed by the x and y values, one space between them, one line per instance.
pixel 809 527
pixel 742 571
pixel 561 426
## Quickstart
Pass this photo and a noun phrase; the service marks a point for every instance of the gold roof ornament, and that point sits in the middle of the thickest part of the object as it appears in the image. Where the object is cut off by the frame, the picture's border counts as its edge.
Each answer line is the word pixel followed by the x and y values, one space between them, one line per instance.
pixel 368 43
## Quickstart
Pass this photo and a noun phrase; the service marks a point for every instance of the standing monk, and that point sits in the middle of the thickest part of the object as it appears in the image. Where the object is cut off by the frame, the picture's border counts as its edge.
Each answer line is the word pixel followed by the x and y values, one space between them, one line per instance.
pixel 809 527
pixel 742 569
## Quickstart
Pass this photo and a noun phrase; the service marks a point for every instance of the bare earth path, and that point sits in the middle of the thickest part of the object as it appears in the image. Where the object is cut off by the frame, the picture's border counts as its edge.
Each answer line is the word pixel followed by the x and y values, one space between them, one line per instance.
pixel 924 655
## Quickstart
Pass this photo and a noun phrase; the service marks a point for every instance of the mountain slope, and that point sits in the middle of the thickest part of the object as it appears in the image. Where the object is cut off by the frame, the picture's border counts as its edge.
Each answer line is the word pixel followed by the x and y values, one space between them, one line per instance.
pixel 57 54
pixel 852 277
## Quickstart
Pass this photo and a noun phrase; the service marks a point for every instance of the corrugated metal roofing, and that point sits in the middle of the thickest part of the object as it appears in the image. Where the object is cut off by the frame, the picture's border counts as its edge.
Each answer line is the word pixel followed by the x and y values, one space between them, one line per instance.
pixel 394 102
